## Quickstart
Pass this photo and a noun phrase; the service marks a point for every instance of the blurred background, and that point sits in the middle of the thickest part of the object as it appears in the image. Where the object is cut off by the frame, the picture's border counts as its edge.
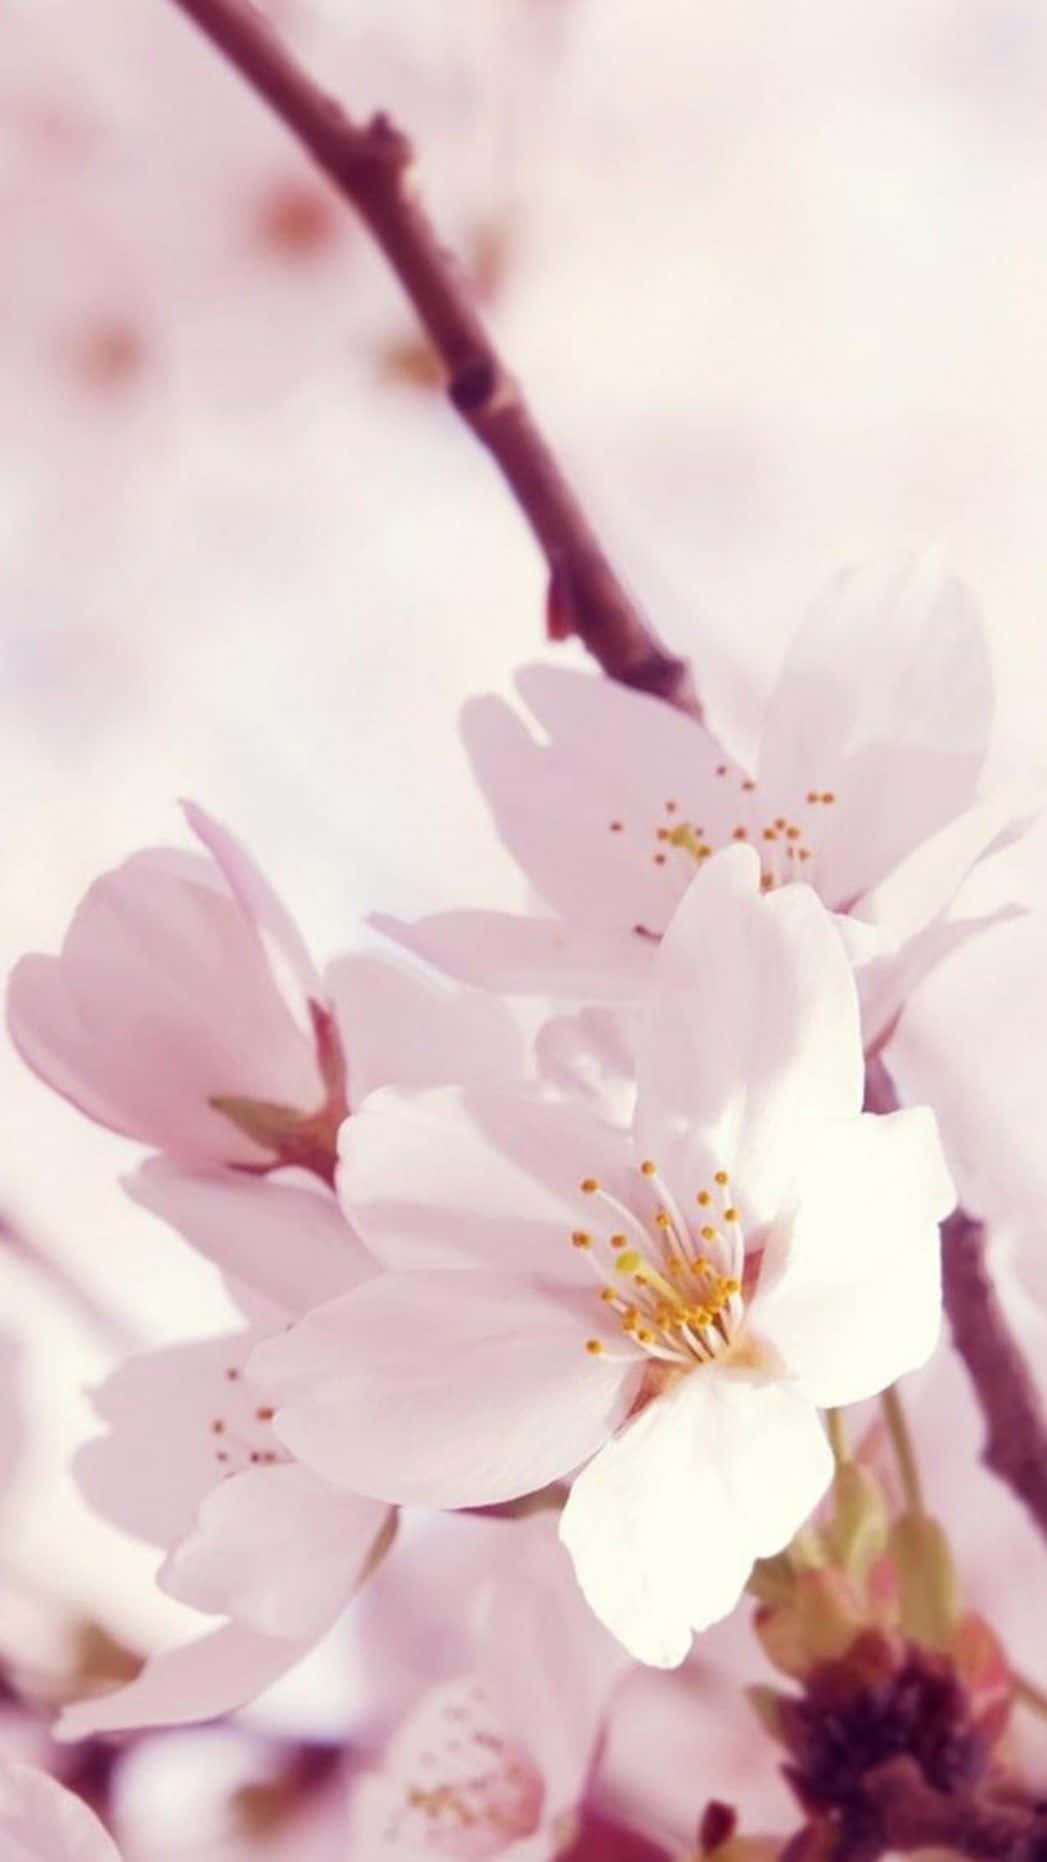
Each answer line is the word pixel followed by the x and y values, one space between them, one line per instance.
pixel 776 281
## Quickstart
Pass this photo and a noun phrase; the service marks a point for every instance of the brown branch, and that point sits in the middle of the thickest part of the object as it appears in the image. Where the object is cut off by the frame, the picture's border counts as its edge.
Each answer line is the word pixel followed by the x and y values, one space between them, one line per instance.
pixel 370 164
pixel 1015 1446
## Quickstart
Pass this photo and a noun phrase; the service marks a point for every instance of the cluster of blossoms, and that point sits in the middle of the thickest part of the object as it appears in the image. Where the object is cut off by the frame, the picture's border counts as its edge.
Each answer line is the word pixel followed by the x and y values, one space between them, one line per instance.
pixel 605 1279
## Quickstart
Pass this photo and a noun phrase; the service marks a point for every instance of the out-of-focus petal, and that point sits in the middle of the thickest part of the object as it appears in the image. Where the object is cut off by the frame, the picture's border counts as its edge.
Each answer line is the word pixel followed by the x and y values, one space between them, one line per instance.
pixel 194 1681
pixel 40 1821
pixel 402 1028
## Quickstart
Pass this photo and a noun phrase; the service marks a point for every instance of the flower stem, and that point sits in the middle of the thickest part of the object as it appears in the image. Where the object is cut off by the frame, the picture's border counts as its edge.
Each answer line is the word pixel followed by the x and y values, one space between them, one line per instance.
pixel 837 1436
pixel 904 1452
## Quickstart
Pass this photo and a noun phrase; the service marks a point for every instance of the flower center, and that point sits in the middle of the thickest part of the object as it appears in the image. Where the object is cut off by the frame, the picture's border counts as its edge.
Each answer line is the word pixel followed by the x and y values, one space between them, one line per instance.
pixel 673 1284
pixel 787 844
pixel 469 1791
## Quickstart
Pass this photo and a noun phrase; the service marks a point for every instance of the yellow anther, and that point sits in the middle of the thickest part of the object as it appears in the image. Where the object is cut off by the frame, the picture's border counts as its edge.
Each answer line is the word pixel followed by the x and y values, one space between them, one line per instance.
pixel 708 1232
pixel 721 1178
pixel 645 1337
pixel 609 1296
pixel 580 1239
pixel 664 1219
pixel 703 1197
pixel 793 833
pixel 594 1347
pixel 628 1262
pixel 589 1185
pixel 828 796
pixel 618 1241
pixel 813 796
pixel 740 834
pixel 702 851
pixel 766 882
pixel 648 1167
pixel 770 834
pixel 662 834
pixel 748 785
pixel 731 1214
pixel 730 1287
pixel 781 822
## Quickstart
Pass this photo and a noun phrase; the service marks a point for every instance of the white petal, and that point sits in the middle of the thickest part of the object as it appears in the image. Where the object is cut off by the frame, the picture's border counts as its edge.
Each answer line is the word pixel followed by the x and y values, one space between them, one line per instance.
pixel 276 1549
pixel 665 1524
pixel 853 1298
pixel 885 699
pixel 530 956
pixel 751 1036
pixel 452 1178
pixel 445 1389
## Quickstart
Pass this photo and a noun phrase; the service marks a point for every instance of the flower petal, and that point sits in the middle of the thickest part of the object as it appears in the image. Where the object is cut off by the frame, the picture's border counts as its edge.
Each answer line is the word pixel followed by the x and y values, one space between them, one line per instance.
pixel 276 1549
pixel 445 1389
pixel 267 916
pixel 530 956
pixel 194 1681
pixel 665 1524
pixel 180 1418
pixel 40 1821
pixel 851 1298
pixel 581 811
pixel 402 1028
pixel 751 1037
pixel 448 1178
pixel 284 1237
pixel 885 700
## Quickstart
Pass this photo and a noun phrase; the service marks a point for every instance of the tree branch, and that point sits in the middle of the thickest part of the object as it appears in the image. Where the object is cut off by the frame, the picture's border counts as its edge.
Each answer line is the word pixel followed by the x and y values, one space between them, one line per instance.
pixel 370 164
pixel 1016 1440
pixel 1015 1446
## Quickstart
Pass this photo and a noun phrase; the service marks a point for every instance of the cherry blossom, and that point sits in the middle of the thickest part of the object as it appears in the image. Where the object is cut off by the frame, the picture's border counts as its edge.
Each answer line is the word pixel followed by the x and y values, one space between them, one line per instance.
pixel 183 987
pixel 191 1463
pixel 185 1010
pixel 669 1305
pixel 864 786
pixel 42 1822
pixel 494 1761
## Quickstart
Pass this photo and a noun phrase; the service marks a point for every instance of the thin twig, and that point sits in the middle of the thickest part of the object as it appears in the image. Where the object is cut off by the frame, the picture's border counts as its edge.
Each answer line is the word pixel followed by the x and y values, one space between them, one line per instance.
pixel 370 164
pixel 1015 1446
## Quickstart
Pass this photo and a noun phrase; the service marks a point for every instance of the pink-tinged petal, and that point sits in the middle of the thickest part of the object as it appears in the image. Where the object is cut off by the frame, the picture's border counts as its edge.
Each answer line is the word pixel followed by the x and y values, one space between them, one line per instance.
pixel 884 701
pixel 850 1297
pixel 402 1028
pixel 445 1389
pixel 160 1000
pixel 453 1783
pixel 751 1037
pixel 180 1419
pixel 282 1237
pixel 198 1680
pixel 448 1178
pixel 580 811
pixel 40 1821
pixel 886 983
pixel 293 968
pixel 278 1550
pixel 592 1056
pixel 12 1418
pixel 545 1662
pixel 926 882
pixel 530 956
pixel 665 1524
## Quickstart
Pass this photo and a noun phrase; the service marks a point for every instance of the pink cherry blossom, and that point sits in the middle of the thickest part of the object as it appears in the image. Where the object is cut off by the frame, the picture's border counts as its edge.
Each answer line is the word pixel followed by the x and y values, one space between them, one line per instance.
pixel 42 1822
pixel 864 786
pixel 182 980
pixel 668 1305
pixel 191 1462
pixel 185 1011
pixel 495 1760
